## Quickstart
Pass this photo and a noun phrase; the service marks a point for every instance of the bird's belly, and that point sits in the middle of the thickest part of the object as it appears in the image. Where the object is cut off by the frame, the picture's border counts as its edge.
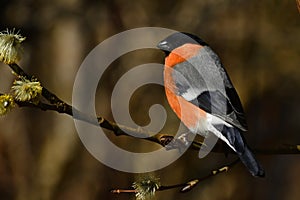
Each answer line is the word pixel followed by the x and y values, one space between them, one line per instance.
pixel 200 127
pixel 194 118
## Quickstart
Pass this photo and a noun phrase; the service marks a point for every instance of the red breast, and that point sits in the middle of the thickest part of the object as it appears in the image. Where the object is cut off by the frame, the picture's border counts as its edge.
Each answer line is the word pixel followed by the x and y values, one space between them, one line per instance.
pixel 188 113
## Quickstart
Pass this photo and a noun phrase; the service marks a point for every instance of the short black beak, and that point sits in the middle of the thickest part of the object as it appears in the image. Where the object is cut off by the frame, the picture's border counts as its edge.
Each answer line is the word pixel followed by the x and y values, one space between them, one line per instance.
pixel 164 46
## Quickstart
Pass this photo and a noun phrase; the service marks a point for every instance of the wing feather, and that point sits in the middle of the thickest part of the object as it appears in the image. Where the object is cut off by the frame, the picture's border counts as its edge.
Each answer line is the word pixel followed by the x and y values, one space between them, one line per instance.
pixel 203 81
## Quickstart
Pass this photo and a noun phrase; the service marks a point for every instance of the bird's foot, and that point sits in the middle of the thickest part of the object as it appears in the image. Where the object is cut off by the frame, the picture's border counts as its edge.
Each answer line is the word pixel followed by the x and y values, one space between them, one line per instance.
pixel 181 143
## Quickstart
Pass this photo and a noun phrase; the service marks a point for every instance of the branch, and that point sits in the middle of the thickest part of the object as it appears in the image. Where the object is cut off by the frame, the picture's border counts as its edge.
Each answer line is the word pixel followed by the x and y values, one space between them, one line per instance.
pixel 187 186
pixel 163 139
pixel 118 130
pixel 58 105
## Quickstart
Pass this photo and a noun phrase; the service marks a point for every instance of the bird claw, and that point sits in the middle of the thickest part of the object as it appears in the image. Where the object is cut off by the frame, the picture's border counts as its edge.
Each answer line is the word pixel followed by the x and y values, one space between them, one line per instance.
pixel 181 143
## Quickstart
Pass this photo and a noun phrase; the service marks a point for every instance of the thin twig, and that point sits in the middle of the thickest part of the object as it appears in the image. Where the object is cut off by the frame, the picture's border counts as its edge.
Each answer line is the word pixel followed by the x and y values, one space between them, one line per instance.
pixel 187 186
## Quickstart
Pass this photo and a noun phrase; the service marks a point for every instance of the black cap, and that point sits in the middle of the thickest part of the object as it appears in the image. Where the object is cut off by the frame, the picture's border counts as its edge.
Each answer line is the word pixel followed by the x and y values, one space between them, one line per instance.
pixel 178 39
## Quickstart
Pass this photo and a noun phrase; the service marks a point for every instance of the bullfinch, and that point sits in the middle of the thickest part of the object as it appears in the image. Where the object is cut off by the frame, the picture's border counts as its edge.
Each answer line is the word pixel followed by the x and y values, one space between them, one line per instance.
pixel 199 91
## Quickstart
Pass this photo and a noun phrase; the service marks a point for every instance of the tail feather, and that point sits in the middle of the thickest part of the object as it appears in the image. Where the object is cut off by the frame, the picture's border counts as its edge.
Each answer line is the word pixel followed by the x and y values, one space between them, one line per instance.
pixel 236 140
pixel 251 163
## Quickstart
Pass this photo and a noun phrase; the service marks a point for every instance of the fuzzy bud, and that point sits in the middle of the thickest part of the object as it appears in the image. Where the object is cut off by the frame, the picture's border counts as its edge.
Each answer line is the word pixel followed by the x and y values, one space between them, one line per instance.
pixel 26 90
pixel 146 187
pixel 10 47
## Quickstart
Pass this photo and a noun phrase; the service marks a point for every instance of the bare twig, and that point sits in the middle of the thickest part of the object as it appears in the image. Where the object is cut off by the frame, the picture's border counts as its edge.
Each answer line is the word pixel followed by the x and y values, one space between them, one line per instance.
pixel 187 186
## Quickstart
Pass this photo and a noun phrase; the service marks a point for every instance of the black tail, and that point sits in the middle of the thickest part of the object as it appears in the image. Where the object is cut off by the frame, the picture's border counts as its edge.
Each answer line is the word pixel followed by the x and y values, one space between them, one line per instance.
pixel 234 137
pixel 251 163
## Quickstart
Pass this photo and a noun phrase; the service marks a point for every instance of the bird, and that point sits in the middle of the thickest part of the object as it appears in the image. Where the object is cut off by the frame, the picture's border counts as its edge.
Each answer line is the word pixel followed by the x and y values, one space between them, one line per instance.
pixel 200 92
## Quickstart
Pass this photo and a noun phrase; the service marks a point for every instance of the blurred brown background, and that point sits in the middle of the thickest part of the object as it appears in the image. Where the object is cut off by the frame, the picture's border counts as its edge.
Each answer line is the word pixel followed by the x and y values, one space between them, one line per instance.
pixel 41 156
